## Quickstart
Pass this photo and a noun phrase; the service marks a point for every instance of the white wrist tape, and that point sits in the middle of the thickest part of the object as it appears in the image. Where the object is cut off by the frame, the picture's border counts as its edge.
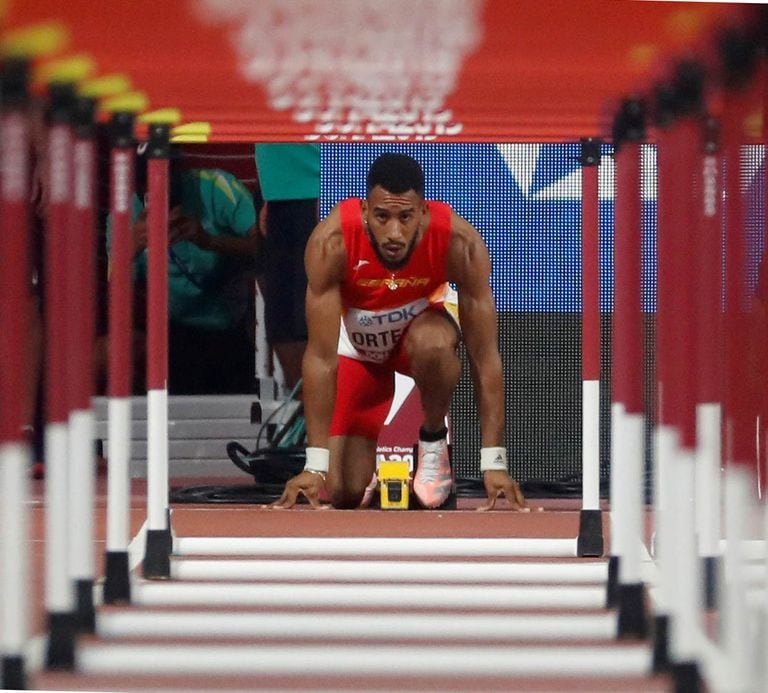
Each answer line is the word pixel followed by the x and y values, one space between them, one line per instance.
pixel 317 460
pixel 492 459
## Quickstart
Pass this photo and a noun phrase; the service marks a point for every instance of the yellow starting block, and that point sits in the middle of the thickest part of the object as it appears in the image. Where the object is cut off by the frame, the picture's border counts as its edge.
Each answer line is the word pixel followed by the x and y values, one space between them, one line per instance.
pixel 393 484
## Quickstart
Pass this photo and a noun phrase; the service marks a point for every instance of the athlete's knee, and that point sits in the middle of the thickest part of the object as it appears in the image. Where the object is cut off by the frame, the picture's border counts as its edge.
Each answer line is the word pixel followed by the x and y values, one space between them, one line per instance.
pixel 431 341
pixel 345 498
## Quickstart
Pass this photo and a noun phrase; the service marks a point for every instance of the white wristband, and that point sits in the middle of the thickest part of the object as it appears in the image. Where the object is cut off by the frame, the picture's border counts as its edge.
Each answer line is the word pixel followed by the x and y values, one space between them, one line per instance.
pixel 493 459
pixel 317 460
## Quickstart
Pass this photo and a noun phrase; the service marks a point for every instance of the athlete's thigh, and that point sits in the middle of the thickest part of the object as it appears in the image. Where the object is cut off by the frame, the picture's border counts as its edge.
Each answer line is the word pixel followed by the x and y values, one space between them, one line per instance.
pixel 364 394
pixel 435 326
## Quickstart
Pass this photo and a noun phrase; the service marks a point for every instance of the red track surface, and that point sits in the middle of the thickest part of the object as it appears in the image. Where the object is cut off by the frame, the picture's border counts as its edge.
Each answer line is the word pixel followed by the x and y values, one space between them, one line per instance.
pixel 558 519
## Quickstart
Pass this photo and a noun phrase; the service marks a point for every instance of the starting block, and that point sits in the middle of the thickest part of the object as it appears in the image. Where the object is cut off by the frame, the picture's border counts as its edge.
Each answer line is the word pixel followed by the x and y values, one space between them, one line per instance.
pixel 394 479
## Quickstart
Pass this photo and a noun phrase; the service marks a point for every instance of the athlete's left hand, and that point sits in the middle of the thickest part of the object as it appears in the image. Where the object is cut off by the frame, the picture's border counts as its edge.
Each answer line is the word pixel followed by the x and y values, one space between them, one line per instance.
pixel 498 483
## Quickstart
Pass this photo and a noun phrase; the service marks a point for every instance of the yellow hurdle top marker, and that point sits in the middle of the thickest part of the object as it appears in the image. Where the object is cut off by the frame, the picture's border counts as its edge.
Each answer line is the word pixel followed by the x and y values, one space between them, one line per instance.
pixel 130 102
pixel 189 139
pixel 37 40
pixel 168 116
pixel 104 87
pixel 191 133
pixel 71 70
pixel 196 128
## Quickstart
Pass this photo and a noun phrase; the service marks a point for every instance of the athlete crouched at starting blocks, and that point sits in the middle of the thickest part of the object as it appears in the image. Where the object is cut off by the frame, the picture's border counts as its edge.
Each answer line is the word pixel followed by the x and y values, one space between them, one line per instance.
pixel 378 271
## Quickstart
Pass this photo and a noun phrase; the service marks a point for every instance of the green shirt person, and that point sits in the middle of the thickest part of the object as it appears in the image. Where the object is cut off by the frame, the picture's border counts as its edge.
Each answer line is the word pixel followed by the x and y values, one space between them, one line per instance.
pixel 213 243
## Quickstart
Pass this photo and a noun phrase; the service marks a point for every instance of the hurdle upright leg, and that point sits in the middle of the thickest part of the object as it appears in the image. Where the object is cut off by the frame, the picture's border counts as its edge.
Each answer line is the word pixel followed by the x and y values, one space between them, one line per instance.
pixel 14 337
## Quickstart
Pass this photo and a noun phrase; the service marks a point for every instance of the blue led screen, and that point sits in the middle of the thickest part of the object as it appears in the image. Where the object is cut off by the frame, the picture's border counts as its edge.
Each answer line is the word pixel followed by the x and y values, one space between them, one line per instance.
pixel 525 199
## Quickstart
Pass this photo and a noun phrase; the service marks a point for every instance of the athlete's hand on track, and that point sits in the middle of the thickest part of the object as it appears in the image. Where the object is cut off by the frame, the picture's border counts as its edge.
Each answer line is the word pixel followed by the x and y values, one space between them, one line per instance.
pixel 498 483
pixel 307 484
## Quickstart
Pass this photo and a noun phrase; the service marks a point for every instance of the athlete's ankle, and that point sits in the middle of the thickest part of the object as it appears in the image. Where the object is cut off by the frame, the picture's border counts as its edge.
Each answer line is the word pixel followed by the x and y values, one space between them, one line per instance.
pixel 427 436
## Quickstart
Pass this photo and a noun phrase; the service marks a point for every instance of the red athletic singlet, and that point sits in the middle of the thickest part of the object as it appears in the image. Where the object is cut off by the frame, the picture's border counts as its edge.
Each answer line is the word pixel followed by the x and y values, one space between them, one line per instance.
pixel 379 304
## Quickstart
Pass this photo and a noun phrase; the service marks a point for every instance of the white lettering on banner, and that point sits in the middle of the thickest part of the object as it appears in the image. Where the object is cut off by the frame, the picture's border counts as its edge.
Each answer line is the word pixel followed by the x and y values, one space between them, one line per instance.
pixel 14 159
pixel 59 144
pixel 83 180
pixel 709 174
pixel 352 70
pixel 122 168
pixel 383 455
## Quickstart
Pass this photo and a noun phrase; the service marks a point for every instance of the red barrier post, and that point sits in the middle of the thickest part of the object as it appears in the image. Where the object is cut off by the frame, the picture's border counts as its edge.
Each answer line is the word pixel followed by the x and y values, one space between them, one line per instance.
pixel 590 538
pixel 117 585
pixel 59 593
pixel 628 411
pixel 159 543
pixel 15 302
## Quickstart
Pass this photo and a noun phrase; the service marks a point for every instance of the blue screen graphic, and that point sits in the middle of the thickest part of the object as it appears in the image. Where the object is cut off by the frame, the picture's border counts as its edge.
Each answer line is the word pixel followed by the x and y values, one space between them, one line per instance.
pixel 525 200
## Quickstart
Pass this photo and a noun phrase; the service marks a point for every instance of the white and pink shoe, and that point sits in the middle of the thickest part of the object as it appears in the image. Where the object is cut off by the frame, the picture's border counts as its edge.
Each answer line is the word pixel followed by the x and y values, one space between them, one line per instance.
pixel 434 480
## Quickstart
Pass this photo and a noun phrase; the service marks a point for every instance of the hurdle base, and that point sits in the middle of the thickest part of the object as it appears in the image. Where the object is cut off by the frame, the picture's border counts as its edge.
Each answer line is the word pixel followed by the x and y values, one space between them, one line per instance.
pixel 13 673
pixel 157 556
pixel 612 583
pixel 117 583
pixel 632 620
pixel 711 570
pixel 60 652
pixel 590 539
pixel 661 661
pixel 686 677
pixel 85 612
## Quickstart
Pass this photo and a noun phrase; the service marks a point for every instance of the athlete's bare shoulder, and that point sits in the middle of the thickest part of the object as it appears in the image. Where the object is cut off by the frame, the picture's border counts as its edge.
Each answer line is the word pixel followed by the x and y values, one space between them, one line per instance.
pixel 325 256
pixel 468 255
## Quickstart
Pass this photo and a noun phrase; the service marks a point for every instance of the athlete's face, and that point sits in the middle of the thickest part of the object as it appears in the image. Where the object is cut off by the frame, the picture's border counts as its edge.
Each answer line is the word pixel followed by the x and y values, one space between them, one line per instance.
pixel 393 222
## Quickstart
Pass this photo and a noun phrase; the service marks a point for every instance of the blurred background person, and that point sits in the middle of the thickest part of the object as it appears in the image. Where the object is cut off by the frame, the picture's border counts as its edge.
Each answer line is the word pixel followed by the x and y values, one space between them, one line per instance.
pixel 213 246
pixel 289 177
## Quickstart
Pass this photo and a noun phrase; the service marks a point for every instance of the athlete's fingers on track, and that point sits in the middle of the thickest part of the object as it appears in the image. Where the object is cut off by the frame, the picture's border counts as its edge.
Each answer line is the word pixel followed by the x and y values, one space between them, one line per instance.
pixel 312 497
pixel 491 501
pixel 515 497
pixel 287 500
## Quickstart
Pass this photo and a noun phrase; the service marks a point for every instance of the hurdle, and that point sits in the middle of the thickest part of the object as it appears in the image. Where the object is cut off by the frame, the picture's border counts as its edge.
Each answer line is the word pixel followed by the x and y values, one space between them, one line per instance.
pixel 590 538
pixel 676 379
pixel 738 396
pixel 61 520
pixel 81 335
pixel 695 251
pixel 627 410
pixel 14 298
pixel 156 562
pixel 123 109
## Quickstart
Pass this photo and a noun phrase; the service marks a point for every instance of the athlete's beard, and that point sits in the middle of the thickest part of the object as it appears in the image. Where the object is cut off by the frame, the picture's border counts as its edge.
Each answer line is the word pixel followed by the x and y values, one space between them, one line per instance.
pixel 393 266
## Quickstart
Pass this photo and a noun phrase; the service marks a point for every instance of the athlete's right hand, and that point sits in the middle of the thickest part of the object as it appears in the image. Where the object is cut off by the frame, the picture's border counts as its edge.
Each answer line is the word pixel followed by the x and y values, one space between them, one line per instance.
pixel 306 483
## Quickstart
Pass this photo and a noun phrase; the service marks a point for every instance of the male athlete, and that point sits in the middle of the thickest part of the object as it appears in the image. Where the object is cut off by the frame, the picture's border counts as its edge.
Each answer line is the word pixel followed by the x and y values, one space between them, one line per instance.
pixel 380 268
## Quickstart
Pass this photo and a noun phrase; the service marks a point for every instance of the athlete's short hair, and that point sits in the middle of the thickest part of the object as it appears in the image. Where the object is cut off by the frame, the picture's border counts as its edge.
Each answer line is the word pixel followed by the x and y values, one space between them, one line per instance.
pixel 396 173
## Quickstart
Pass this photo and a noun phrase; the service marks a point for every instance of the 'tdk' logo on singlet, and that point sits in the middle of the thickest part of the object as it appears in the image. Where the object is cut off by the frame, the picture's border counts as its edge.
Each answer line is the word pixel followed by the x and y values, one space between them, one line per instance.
pixel 376 333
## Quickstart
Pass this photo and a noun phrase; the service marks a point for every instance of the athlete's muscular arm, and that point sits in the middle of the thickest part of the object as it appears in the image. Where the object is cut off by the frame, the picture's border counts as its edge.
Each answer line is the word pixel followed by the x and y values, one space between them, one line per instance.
pixel 469 267
pixel 324 261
